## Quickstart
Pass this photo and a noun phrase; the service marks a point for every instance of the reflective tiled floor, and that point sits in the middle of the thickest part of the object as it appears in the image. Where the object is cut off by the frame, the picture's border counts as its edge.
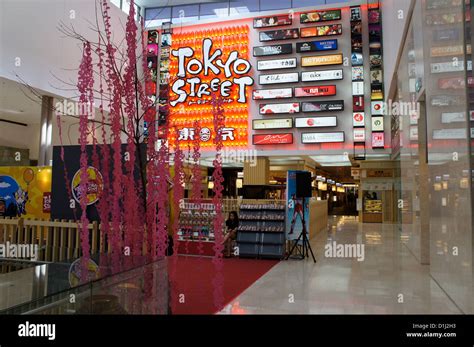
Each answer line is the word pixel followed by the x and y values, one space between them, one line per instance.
pixel 388 281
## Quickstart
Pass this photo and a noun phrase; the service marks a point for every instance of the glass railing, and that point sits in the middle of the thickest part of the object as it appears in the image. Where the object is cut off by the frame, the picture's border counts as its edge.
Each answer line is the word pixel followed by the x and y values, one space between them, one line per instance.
pixel 133 286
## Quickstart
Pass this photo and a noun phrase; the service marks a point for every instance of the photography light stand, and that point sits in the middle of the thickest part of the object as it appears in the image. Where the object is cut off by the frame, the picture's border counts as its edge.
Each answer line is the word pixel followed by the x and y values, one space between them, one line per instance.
pixel 306 246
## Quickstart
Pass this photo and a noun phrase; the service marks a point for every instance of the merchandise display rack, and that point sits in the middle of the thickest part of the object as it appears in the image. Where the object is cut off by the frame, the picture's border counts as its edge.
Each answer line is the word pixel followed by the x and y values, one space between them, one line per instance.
pixel 261 233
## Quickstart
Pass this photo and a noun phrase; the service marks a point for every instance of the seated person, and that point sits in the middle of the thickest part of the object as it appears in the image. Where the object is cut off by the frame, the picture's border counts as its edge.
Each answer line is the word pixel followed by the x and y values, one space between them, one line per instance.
pixel 232 223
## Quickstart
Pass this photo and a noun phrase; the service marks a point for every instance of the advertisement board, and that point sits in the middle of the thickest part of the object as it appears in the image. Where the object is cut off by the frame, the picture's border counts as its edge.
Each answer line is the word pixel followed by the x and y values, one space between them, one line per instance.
pixel 293 107
pixel 263 51
pixel 276 64
pixel 274 123
pixel 265 94
pixel 297 209
pixel 325 75
pixel 272 21
pixel 315 91
pixel 315 122
pixel 329 137
pixel 272 139
pixel 323 106
pixel 322 60
pixel 321 30
pixel 292 77
pixel 316 46
pixel 277 35
pixel 320 16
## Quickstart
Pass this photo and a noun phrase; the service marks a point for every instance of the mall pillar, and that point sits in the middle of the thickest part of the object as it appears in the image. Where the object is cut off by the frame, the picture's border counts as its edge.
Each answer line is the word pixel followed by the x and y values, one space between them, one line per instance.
pixel 424 189
pixel 46 126
pixel 256 173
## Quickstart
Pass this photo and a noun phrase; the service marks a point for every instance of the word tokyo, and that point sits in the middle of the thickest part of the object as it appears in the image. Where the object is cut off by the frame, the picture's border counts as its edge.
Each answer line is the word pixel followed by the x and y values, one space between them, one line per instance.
pixel 232 66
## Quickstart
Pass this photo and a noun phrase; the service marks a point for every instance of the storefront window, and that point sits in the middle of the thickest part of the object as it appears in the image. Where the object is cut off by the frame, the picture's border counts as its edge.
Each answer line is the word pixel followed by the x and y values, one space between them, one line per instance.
pixel 267 5
pixel 187 13
pixel 214 10
pixel 157 16
pixel 243 6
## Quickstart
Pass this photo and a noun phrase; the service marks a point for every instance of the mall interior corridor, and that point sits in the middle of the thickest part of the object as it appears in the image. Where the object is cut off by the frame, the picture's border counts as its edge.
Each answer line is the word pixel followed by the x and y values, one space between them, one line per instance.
pixel 389 280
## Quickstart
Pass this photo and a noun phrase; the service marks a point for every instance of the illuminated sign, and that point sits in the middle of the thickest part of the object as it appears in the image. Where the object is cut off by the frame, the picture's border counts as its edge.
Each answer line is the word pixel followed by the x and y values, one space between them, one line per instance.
pixel 272 139
pixel 376 108
pixel 322 137
pixel 272 21
pixel 453 117
pixel 325 75
pixel 413 133
pixel 357 59
pixel 454 82
pixel 276 64
pixel 323 106
pixel 359 135
pixel 316 46
pixel 357 73
pixel 378 140
pixel 377 123
pixel 234 69
pixel 321 30
pixel 357 88
pixel 320 60
pixel 320 16
pixel 315 91
pixel 450 134
pixel 262 94
pixel 446 35
pixel 315 122
pixel 279 78
pixel 358 103
pixel 274 123
pixel 276 35
pixel 203 63
pixel 280 108
pixel 447 100
pixel 358 119
pixel 449 50
pixel 263 51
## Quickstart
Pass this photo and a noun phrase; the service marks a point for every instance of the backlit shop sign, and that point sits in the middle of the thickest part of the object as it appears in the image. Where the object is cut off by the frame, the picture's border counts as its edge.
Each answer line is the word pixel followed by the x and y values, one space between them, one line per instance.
pixel 188 66
pixel 315 91
pixel 263 94
pixel 359 135
pixel 320 16
pixel 279 78
pixel 327 75
pixel 293 107
pixel 272 139
pixel 275 35
pixel 378 140
pixel 323 106
pixel 452 66
pixel 272 21
pixel 188 134
pixel 275 123
pixel 321 60
pixel 316 46
pixel 262 51
pixel 332 137
pixel 315 122
pixel 321 30
pixel 276 64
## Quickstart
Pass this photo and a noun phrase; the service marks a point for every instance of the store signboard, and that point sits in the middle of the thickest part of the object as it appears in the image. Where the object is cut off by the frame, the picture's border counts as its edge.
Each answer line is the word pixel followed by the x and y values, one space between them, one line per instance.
pixel 315 91
pixel 451 66
pixel 292 77
pixel 316 46
pixel 293 107
pixel 320 16
pixel 444 51
pixel 331 137
pixel 439 4
pixel 325 75
pixel 276 64
pixel 358 119
pixel 357 73
pixel 450 134
pixel 357 59
pixel 315 122
pixel 377 123
pixel 413 133
pixel 358 104
pixel 359 135
pixel 453 117
pixel 443 35
pixel 358 88
pixel 377 108
pixel 322 60
pixel 272 21
pixel 455 83
pixel 282 34
pixel 273 139
pixel 378 140
pixel 447 100
pixel 263 51
pixel 263 94
pixel 274 123
pixel 323 106
pixel 322 30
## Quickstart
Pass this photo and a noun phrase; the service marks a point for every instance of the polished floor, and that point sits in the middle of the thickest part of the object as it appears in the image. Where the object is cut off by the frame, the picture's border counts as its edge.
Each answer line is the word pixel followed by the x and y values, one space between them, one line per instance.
pixel 389 280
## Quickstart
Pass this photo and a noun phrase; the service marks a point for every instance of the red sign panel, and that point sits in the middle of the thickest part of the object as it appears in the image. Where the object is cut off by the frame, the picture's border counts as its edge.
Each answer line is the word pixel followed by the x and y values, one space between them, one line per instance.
pixel 47 202
pixel 273 139
pixel 315 91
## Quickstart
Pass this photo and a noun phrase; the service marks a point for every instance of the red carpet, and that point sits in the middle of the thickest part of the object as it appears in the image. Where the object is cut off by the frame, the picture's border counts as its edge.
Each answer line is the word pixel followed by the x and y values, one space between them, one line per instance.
pixel 194 281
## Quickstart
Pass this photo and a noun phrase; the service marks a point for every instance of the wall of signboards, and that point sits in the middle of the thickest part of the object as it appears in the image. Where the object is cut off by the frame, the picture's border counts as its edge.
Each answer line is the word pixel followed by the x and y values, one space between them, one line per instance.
pixel 313 81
